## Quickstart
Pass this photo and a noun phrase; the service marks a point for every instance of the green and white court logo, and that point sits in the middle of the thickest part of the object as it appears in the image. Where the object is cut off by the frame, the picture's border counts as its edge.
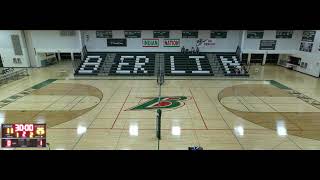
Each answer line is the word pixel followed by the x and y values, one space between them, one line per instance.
pixel 167 102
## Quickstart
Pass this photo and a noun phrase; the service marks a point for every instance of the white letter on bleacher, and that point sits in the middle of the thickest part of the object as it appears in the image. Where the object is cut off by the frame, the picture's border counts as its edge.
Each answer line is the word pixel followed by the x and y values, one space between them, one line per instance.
pixel 121 63
pixel 197 58
pixel 138 65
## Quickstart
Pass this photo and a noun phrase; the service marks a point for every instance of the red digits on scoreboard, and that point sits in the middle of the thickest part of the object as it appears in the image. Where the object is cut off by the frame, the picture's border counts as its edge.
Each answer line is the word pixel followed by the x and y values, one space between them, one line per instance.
pixel 24 134
pixel 9 143
pixel 31 135
pixel 16 127
pixel 23 127
pixel 29 127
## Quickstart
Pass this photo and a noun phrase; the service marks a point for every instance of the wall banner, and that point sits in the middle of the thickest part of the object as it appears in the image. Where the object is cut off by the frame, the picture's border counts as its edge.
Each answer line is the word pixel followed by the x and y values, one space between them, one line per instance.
pixel 204 43
pixel 103 34
pixel 255 34
pixel 306 46
pixel 132 34
pixel 161 34
pixel 150 42
pixel 218 34
pixel 268 44
pixel 117 42
pixel 284 34
pixel 308 36
pixel 171 43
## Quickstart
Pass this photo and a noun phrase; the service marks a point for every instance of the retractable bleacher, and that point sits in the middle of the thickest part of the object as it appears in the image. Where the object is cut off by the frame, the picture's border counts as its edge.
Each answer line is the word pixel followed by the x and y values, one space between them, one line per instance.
pixel 229 63
pixel 91 64
pixel 137 64
pixel 179 64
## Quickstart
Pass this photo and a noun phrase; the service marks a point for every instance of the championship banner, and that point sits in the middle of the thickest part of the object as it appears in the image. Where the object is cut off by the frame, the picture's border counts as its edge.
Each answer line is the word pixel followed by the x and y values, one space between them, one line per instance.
pixel 308 36
pixel 268 44
pixel 150 42
pixel 132 34
pixel 305 46
pixel 161 34
pixel 117 42
pixel 255 34
pixel 171 43
pixel 189 34
pixel 103 34
pixel 284 34
pixel 204 43
pixel 218 34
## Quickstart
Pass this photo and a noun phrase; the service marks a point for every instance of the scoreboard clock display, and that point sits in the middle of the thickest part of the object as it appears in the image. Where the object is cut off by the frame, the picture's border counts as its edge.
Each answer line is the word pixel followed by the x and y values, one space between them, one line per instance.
pixel 23 135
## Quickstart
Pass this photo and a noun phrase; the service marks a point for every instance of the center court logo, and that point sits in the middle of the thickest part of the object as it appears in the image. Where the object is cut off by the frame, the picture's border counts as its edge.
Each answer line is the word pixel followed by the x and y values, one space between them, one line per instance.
pixel 166 102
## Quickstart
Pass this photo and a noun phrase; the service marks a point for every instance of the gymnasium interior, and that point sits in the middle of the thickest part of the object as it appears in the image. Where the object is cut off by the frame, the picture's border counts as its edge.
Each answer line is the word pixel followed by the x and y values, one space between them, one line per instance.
pixel 160 89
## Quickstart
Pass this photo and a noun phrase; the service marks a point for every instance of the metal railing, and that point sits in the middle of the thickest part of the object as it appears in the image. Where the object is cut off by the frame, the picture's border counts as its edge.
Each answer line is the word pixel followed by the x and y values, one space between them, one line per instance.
pixel 77 63
pixel 239 53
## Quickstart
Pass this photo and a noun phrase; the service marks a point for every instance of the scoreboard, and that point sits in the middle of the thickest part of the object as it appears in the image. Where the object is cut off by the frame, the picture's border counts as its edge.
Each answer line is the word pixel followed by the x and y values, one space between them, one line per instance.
pixel 23 135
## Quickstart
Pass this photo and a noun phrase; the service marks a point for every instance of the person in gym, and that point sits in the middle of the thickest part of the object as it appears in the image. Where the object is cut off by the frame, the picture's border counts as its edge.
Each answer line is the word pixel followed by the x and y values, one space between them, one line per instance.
pixel 183 50
pixel 192 50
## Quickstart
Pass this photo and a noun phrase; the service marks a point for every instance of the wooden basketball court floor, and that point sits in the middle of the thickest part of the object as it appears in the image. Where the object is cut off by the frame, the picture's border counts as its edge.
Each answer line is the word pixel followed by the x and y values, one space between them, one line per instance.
pixel 274 109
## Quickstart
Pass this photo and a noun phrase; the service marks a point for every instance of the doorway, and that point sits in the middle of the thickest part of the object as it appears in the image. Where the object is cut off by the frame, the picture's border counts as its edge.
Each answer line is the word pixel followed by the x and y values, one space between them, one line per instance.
pixel 256 59
pixel 244 58
pixel 272 58
pixel 65 56
pixel 1 64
